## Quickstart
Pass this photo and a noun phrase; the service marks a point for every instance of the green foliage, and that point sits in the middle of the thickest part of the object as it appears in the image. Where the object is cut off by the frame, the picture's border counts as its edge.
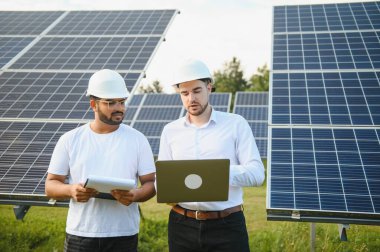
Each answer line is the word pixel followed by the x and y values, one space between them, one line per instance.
pixel 230 79
pixel 155 87
pixel 260 80
pixel 37 232
pixel 153 235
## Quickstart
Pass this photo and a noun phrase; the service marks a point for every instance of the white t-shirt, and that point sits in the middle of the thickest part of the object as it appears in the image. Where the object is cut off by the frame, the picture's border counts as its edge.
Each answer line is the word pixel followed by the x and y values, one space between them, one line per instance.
pixel 124 153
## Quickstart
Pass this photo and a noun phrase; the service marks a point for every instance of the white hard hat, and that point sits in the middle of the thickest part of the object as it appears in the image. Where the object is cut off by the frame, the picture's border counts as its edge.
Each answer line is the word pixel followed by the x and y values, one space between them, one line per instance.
pixel 107 84
pixel 191 69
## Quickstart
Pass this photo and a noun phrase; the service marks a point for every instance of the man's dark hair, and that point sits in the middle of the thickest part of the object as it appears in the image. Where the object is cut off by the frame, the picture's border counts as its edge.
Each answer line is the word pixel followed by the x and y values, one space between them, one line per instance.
pixel 93 97
pixel 205 80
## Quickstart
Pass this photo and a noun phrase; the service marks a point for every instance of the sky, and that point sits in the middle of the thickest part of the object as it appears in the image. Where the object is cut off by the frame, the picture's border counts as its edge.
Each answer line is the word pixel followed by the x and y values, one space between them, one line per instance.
pixel 214 31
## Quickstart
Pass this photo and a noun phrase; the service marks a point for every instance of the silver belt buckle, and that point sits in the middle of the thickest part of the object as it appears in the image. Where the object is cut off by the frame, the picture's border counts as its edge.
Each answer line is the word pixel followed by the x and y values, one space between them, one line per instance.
pixel 196 215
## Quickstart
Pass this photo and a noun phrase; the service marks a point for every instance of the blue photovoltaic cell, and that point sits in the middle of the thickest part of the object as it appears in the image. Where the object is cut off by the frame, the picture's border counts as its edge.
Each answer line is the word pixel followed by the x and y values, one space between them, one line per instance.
pixel 136 22
pixel 150 129
pixel 259 129
pixel 253 113
pixel 135 100
pixel 349 171
pixel 47 95
pixel 162 100
pixel 154 144
pixel 158 114
pixel 11 46
pixel 251 98
pixel 220 99
pixel 332 98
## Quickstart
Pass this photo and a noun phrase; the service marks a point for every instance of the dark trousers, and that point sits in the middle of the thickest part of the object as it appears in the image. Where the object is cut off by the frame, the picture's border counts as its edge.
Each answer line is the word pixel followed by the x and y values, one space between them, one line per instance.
pixel 75 243
pixel 225 234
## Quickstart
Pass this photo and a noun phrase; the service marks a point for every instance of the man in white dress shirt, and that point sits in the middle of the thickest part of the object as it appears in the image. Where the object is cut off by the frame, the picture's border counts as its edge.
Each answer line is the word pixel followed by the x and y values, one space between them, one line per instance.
pixel 205 133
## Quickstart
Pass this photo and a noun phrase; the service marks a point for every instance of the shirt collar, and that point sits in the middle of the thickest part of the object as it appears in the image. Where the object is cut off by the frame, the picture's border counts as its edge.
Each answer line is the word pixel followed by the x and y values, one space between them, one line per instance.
pixel 213 119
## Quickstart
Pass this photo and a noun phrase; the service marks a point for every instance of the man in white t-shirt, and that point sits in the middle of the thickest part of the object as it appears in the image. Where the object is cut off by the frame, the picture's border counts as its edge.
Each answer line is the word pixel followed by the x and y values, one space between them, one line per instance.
pixel 103 147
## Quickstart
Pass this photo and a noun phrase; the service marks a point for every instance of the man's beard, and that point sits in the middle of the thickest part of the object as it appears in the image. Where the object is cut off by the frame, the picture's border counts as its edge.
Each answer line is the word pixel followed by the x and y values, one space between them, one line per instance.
pixel 203 108
pixel 108 120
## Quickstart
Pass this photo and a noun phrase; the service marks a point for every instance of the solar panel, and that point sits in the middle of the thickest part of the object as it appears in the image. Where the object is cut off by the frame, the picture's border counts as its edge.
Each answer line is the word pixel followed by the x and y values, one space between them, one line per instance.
pixel 162 100
pixel 151 22
pixel 323 163
pixel 25 151
pixel 253 106
pixel 326 169
pixel 326 17
pixel 91 53
pixel 340 50
pixel 331 98
pixel 26 22
pixel 11 46
pixel 47 59
pixel 47 95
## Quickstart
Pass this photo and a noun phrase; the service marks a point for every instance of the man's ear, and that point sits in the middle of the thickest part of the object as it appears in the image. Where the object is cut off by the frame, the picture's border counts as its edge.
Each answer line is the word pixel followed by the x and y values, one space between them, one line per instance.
pixel 209 87
pixel 93 104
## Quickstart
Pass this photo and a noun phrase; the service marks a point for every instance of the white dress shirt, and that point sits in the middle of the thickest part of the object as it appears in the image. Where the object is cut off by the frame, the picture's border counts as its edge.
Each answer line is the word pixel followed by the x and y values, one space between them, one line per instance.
pixel 224 136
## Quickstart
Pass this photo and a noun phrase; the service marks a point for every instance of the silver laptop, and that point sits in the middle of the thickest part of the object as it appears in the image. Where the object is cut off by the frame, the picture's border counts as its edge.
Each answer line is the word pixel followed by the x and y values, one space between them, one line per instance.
pixel 192 180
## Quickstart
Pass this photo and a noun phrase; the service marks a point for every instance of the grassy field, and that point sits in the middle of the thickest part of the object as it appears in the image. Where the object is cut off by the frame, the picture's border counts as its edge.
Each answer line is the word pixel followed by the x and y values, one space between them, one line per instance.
pixel 43 230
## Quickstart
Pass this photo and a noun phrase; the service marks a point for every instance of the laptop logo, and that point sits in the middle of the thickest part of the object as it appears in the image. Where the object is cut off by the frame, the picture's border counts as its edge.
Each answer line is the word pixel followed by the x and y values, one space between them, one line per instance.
pixel 193 181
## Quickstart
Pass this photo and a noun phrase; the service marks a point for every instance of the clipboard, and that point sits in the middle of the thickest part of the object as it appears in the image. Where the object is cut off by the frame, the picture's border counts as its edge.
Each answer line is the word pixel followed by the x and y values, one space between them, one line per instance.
pixel 104 185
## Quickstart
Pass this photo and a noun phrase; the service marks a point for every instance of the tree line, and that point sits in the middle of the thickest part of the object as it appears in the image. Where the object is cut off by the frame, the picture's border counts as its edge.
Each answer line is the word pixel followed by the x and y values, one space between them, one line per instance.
pixel 229 79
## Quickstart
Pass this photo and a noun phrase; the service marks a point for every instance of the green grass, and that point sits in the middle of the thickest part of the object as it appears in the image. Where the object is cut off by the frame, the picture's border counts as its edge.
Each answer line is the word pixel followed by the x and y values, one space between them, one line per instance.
pixel 43 229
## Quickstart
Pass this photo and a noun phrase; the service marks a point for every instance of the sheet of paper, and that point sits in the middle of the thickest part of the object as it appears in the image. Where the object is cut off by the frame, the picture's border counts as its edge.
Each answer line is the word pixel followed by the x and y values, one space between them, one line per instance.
pixel 106 184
